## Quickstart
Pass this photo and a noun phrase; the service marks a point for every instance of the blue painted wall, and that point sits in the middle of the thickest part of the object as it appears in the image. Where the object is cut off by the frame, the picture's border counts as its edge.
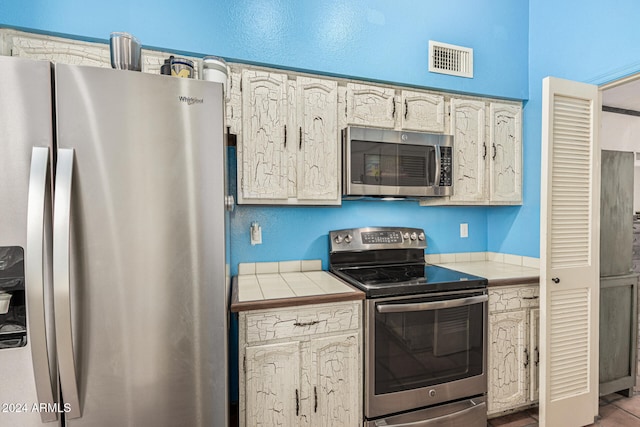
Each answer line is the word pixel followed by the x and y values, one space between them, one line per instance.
pixel 578 40
pixel 371 39
pixel 374 39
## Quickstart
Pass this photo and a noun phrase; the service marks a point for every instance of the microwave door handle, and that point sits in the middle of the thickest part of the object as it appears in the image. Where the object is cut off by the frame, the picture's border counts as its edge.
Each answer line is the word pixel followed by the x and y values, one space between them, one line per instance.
pixel 435 305
pixel 38 251
pixel 62 281
pixel 436 178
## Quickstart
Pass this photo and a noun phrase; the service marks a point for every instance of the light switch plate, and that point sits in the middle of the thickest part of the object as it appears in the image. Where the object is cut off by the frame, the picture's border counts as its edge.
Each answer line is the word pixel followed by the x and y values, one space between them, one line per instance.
pixel 256 234
pixel 464 230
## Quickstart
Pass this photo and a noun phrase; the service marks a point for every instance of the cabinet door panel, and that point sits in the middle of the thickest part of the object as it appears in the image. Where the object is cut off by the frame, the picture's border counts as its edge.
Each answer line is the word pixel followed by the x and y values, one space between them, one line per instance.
pixel 334 381
pixel 262 149
pixel 369 105
pixel 233 105
pixel 469 150
pixel 317 139
pixel 534 370
pixel 507 358
pixel 505 168
pixel 272 380
pixel 422 111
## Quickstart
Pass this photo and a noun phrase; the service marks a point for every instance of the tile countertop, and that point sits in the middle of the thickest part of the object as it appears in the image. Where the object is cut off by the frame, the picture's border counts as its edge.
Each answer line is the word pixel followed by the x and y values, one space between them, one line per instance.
pixel 497 272
pixel 291 283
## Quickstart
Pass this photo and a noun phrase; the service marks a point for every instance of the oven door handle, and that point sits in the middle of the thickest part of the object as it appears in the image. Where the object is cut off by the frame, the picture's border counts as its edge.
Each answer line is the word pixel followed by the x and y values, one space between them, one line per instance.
pixel 436 305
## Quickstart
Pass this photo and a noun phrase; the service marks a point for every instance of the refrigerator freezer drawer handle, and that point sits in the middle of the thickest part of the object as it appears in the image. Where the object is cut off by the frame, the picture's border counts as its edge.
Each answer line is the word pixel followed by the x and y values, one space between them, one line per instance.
pixel 62 281
pixel 38 252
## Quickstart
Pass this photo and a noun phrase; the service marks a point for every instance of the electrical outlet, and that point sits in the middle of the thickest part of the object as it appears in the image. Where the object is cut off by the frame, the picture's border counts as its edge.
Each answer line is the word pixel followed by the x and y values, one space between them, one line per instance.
pixel 464 230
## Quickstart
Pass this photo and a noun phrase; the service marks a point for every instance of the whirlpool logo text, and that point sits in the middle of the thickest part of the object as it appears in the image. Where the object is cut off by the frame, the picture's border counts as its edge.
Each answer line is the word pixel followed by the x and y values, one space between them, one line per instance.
pixel 191 100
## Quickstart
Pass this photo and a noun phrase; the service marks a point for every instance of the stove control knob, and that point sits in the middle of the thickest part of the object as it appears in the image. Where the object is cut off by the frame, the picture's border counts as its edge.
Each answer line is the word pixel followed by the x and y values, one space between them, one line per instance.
pixel 348 238
pixel 432 393
pixel 338 239
pixel 421 236
pixel 414 236
pixel 405 236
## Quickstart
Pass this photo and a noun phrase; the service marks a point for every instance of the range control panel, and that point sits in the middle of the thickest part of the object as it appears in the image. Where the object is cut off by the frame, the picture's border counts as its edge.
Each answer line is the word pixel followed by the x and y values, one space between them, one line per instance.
pixel 373 238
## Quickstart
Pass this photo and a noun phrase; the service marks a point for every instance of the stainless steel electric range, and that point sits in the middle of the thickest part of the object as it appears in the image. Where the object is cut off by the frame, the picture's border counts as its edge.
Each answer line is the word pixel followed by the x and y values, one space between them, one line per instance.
pixel 425 330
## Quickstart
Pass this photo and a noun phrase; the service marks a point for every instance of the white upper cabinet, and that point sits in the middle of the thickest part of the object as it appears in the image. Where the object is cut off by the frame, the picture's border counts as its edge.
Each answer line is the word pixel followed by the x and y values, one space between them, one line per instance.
pixel 317 140
pixel 469 150
pixel 376 106
pixel 289 149
pixel 487 159
pixel 422 111
pixel 288 125
pixel 368 105
pixel 262 167
pixel 233 104
pixel 505 135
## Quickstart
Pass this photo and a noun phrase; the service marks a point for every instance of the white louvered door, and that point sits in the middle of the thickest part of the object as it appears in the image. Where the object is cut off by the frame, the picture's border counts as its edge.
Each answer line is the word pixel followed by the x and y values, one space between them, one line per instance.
pixel 569 253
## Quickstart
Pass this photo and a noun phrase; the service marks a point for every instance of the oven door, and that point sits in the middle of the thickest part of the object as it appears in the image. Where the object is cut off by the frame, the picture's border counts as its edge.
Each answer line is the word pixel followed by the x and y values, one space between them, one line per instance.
pixel 424 350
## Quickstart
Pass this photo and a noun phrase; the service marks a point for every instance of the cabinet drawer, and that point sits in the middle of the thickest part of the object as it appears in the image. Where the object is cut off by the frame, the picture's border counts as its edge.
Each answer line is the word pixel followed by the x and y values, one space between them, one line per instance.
pixel 273 324
pixel 513 298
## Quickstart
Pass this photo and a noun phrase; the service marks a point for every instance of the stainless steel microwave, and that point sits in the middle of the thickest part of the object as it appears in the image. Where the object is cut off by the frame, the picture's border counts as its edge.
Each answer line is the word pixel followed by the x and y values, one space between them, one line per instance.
pixel 390 163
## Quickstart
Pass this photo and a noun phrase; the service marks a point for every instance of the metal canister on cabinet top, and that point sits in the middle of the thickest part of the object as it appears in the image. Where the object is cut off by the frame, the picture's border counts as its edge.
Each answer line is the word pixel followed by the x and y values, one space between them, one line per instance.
pixel 214 69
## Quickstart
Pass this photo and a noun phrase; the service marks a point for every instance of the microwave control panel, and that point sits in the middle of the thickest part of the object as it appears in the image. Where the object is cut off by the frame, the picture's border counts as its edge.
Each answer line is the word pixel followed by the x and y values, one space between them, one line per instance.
pixel 445 166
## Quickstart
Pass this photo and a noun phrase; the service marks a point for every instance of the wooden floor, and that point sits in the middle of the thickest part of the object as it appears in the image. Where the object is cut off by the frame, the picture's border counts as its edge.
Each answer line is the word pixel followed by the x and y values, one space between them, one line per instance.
pixel 615 411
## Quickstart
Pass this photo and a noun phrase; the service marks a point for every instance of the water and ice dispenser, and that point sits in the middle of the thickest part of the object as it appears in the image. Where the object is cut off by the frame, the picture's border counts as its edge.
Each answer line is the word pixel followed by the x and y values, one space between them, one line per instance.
pixel 13 313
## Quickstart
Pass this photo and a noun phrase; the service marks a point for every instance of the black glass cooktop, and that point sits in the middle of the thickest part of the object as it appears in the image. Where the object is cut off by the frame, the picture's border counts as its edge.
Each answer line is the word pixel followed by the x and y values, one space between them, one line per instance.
pixel 407 279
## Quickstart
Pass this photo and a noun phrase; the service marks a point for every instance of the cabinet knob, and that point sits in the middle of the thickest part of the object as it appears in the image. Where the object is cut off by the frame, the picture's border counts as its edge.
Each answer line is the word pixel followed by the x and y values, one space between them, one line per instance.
pixel 432 393
pixel 555 280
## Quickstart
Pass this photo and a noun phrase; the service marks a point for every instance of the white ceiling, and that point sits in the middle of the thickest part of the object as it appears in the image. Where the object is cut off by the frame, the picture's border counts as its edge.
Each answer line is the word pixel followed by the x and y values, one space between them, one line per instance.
pixel 625 96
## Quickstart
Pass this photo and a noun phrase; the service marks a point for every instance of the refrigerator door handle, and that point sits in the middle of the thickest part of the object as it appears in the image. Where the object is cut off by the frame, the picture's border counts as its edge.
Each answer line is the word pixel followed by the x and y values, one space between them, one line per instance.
pixel 38 251
pixel 62 282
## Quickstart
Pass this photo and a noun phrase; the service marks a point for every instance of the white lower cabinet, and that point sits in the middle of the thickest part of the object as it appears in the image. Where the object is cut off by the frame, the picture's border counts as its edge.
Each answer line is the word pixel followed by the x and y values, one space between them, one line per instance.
pixel 301 366
pixel 513 348
pixel 273 376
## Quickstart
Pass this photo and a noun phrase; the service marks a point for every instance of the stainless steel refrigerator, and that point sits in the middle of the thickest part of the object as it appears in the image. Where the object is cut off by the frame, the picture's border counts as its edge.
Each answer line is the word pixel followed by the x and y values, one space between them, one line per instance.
pixel 112 248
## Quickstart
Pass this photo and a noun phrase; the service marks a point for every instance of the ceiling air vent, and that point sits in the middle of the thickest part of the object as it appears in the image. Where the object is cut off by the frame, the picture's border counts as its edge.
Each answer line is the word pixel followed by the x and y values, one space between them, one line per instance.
pixel 450 59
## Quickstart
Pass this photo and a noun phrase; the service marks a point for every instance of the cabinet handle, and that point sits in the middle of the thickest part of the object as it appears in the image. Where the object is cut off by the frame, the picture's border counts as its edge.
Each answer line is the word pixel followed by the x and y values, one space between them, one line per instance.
pixel 535 297
pixel 313 322
pixel 484 147
pixel 393 113
pixel 494 151
pixel 406 109
pixel 285 136
pixel 537 360
pixel 555 280
pixel 526 357
pixel 297 404
pixel 300 138
pixel 315 397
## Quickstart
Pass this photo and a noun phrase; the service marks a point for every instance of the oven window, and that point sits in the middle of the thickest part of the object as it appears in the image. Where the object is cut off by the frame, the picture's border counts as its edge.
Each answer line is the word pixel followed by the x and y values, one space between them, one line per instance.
pixel 418 349
pixel 375 163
